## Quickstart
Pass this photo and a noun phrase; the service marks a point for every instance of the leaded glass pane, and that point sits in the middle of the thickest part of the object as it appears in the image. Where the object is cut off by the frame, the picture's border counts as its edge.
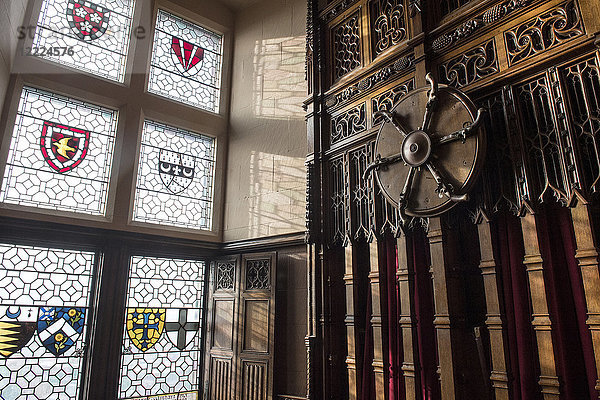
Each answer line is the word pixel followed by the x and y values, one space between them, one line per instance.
pixel 186 62
pixel 60 154
pixel 44 303
pixel 175 177
pixel 161 339
pixel 89 36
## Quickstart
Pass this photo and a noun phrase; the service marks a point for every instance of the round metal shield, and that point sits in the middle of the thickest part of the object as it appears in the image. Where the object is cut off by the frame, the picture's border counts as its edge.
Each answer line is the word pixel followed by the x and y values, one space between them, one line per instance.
pixel 433 152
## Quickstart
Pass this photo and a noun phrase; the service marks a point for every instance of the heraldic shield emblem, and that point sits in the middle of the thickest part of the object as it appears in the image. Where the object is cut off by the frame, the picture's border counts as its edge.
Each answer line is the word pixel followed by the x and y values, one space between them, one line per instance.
pixel 17 326
pixel 87 20
pixel 186 56
pixel 144 326
pixel 182 325
pixel 63 147
pixel 176 170
pixel 60 327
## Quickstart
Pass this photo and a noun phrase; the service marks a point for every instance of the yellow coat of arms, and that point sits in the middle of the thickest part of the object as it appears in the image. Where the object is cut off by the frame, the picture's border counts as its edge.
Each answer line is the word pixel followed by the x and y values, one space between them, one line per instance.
pixel 144 326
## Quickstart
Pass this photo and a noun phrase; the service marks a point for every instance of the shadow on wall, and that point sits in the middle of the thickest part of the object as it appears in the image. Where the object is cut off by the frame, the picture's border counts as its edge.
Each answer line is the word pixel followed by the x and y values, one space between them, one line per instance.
pixel 279 82
pixel 267 147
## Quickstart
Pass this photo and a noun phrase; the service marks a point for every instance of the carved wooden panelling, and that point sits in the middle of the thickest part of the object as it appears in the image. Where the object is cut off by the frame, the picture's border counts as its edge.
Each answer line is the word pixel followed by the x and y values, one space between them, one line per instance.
pixel 547 30
pixel 387 24
pixel 254 381
pixel 256 326
pixel 225 276
pixel 379 77
pixel 258 274
pixel 346 46
pixel 499 175
pixel 223 324
pixel 471 66
pixel 360 196
pixel 337 198
pixel 220 378
pixel 387 100
pixel 467 29
pixel 542 144
pixel 348 123
pixel 582 86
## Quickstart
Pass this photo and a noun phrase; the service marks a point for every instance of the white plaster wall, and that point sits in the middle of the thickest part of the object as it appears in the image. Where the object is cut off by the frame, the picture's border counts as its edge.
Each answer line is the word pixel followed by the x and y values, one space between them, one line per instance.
pixel 265 186
pixel 11 17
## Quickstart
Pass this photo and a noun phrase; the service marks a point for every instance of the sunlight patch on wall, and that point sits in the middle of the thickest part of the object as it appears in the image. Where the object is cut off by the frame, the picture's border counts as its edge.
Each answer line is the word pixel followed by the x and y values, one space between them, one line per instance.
pixel 276 193
pixel 279 85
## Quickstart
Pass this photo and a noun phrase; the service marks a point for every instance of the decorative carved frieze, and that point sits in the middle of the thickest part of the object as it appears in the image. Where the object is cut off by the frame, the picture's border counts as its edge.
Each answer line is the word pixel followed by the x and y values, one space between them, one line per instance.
pixel 490 16
pixel 348 123
pixel 346 46
pixel 387 100
pixel 380 77
pixel 543 32
pixel 225 275
pixel 258 274
pixel 473 65
pixel 388 26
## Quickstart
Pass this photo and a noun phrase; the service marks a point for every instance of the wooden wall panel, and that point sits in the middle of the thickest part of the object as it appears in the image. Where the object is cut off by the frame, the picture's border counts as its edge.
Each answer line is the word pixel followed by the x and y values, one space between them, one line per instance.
pixel 256 326
pixel 220 378
pixel 223 311
pixel 254 381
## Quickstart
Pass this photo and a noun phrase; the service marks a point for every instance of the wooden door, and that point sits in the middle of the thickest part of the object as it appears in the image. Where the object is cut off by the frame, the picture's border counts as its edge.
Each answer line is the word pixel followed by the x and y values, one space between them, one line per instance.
pixel 256 324
pixel 221 342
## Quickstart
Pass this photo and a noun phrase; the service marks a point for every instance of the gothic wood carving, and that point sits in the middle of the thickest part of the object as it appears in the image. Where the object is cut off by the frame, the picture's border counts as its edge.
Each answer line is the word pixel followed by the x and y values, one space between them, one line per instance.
pixel 472 66
pixel 388 26
pixel 349 123
pixel 346 46
pixel 547 30
pixel 389 99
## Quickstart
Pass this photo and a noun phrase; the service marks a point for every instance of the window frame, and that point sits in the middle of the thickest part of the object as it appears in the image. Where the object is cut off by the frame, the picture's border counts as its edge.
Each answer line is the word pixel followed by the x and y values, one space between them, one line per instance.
pixel 114 238
pixel 175 10
pixel 134 104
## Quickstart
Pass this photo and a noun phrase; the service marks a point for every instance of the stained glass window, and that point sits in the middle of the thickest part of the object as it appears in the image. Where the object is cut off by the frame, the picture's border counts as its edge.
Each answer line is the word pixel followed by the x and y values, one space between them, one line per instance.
pixel 60 154
pixel 175 177
pixel 89 36
pixel 44 303
pixel 161 339
pixel 186 62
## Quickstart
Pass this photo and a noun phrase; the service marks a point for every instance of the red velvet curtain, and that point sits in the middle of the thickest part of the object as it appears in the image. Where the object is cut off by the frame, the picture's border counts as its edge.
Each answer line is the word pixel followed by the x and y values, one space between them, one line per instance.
pixel 424 312
pixel 517 307
pixel 566 299
pixel 395 355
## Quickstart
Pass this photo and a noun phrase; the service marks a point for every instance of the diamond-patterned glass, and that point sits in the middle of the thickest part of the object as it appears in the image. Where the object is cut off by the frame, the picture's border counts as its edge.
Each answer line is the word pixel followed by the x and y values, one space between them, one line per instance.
pixel 60 154
pixel 44 302
pixel 89 36
pixel 186 62
pixel 175 177
pixel 161 342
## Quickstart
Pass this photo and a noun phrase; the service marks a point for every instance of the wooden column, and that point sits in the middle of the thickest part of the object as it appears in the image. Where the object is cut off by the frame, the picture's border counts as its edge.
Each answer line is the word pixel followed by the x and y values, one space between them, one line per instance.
pixel 494 321
pixel 587 255
pixel 376 320
pixel 408 326
pixel 534 266
pixel 351 330
pixel 439 272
